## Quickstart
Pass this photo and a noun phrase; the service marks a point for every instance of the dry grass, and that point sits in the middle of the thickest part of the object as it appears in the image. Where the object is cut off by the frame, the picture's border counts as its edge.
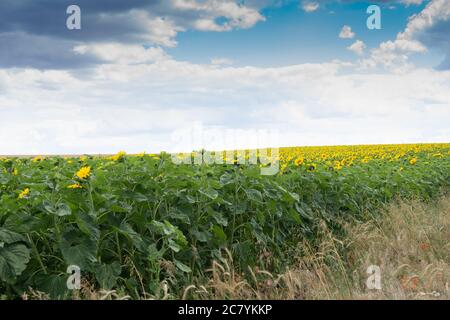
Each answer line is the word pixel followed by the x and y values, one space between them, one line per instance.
pixel 87 292
pixel 410 244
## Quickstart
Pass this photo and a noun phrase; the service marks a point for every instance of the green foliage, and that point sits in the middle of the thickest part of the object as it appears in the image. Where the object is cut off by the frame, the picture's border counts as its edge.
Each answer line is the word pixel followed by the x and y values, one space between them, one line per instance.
pixel 141 220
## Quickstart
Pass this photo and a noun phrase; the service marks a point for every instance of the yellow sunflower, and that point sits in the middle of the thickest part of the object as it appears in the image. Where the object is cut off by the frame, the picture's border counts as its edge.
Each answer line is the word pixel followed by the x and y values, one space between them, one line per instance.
pixel 75 186
pixel 25 193
pixel 84 173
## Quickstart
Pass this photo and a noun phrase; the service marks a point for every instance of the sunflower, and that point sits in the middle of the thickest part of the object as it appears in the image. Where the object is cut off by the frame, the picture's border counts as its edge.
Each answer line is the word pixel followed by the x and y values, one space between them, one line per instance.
pixel 25 193
pixel 119 156
pixel 299 161
pixel 84 173
pixel 337 165
pixel 413 161
pixel 75 186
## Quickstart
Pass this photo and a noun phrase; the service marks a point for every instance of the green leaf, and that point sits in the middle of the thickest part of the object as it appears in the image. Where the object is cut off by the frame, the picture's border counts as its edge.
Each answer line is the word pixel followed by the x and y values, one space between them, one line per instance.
pixel 87 224
pixel 77 249
pixel 209 192
pixel 302 211
pixel 226 178
pixel 63 210
pixel 23 222
pixel 107 275
pixel 136 196
pixel 202 236
pixel 254 195
pixel 49 207
pixel 14 256
pixel 153 253
pixel 9 237
pixel 180 216
pixel 170 231
pixel 295 216
pixel 220 219
pixel 182 266
pixel 127 230
pixel 190 199
pixel 13 261
pixel 219 233
pixel 174 246
pixel 53 285
pixel 121 207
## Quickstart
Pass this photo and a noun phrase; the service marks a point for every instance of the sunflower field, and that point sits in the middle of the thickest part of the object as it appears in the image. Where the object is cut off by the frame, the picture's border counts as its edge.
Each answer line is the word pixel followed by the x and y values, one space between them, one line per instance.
pixel 133 222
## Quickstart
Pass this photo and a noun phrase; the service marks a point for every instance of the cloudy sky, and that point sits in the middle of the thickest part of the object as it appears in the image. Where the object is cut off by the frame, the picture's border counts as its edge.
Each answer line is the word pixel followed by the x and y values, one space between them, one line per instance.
pixel 140 71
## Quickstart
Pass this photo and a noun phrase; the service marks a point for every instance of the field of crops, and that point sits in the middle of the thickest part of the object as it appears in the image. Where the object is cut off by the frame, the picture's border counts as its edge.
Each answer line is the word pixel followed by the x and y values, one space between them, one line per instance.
pixel 133 222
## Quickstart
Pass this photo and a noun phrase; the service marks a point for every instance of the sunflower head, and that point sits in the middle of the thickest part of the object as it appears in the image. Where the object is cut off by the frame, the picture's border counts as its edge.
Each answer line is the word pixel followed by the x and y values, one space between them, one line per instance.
pixel 75 186
pixel 25 193
pixel 119 156
pixel 84 173
pixel 299 161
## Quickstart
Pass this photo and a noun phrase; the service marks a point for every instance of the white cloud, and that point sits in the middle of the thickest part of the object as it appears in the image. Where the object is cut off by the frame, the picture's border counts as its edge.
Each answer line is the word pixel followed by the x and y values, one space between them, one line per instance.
pixel 410 2
pixel 394 54
pixel 357 47
pixel 346 33
pixel 138 107
pixel 310 6
pixel 161 31
pixel 210 25
pixel 236 15
pixel 436 10
pixel 153 29
pixel 121 53
pixel 160 25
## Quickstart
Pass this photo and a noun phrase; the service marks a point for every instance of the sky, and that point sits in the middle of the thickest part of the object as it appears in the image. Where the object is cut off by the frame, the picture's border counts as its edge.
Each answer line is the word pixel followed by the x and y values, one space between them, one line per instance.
pixel 144 75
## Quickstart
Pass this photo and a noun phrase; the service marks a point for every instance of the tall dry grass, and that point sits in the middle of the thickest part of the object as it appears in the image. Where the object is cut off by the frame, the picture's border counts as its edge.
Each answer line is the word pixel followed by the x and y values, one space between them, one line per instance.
pixel 410 243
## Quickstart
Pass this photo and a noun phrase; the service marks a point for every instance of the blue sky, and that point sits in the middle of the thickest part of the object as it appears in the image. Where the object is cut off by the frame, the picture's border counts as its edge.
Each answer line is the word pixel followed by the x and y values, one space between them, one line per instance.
pixel 290 35
pixel 139 75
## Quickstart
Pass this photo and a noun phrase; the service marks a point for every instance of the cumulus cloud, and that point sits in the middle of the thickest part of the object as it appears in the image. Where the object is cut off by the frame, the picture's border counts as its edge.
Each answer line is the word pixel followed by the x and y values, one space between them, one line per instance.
pixel 155 22
pixel 121 54
pixel 396 53
pixel 357 47
pixel 237 15
pixel 386 3
pixel 410 2
pixel 310 6
pixel 124 105
pixel 346 33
